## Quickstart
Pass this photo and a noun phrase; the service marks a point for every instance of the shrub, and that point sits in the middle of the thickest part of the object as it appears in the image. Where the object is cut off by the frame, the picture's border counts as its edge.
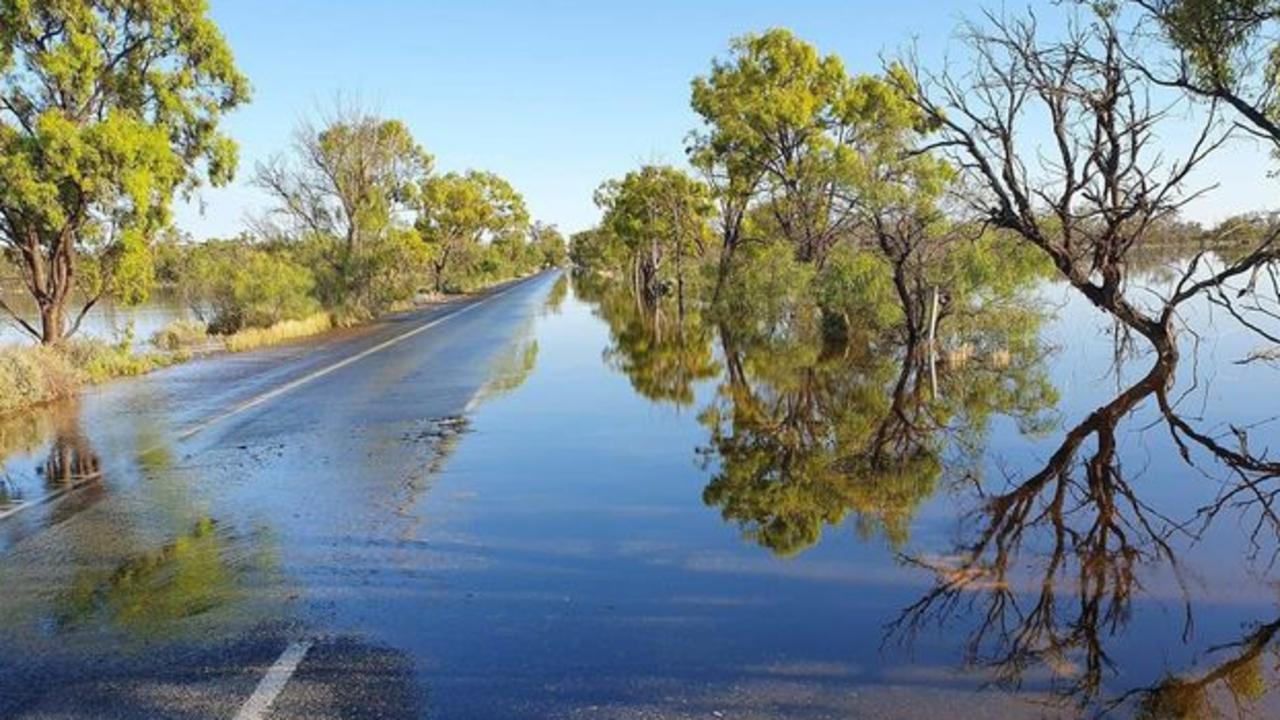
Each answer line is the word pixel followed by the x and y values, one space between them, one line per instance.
pixel 359 284
pixel 180 335
pixel 234 285
pixel 34 375
pixel 855 291
pixel 765 287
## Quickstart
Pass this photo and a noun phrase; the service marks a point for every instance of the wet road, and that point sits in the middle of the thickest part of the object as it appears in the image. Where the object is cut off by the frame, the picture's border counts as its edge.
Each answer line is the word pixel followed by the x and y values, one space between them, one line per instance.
pixel 175 546
pixel 529 506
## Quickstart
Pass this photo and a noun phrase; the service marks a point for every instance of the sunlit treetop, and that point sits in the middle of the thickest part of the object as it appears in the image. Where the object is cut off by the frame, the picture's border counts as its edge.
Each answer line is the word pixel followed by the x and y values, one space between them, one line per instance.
pixel 473 206
pixel 655 203
pixel 107 109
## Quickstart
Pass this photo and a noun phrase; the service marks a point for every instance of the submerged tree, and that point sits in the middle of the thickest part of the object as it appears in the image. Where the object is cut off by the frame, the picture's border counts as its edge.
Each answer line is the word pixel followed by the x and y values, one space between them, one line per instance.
pixel 660 215
pixel 107 110
pixel 1102 185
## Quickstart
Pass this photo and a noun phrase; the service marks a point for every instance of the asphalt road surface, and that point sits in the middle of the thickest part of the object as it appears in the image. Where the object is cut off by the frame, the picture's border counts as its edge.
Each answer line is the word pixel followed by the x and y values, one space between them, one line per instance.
pixel 175 546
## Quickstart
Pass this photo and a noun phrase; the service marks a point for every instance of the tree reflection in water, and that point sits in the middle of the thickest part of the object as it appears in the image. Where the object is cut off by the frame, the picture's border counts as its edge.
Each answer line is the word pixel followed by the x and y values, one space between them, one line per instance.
pixel 662 351
pixel 800 439
pixel 71 461
pixel 804 430
pixel 804 433
pixel 1087 534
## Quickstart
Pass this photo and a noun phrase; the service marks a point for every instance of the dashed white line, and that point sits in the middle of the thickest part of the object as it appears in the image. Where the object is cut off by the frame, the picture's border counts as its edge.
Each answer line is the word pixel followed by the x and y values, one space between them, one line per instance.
pixel 277 392
pixel 269 688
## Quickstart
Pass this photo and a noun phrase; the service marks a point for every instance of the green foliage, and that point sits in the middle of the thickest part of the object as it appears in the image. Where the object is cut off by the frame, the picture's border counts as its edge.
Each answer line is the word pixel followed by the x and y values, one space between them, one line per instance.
pixel 1219 38
pixel 108 110
pixel 788 130
pixel 342 195
pixel 662 217
pixel 233 285
pixel 856 287
pixel 597 250
pixel 768 289
pixel 383 273
pixel 476 226
pixel 549 245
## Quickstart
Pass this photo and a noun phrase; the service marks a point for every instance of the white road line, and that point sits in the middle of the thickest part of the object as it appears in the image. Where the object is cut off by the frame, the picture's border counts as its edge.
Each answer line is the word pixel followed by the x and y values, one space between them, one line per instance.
pixel 56 494
pixel 295 384
pixel 277 392
pixel 269 688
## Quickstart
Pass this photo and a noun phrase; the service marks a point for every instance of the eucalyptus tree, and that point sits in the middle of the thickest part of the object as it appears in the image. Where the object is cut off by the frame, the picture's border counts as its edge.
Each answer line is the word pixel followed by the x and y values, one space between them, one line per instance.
pixel 348 188
pixel 895 190
pixel 460 213
pixel 660 214
pixel 107 110
pixel 549 244
pixel 779 111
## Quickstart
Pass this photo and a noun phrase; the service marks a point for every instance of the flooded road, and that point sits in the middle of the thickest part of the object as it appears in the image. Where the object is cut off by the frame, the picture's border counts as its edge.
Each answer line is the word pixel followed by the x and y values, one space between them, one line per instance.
pixel 550 505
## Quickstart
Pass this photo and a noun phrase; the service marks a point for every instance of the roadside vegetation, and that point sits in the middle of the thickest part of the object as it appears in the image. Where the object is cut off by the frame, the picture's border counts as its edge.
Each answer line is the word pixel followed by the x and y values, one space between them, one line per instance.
pixel 109 110
pixel 890 200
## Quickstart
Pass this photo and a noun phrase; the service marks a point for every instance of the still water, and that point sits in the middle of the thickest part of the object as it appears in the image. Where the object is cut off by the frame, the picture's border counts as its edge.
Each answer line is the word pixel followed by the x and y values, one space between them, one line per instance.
pixel 105 321
pixel 643 517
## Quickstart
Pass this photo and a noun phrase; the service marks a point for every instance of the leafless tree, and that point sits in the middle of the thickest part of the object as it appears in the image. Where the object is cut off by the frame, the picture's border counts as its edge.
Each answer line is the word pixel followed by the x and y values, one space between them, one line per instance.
pixel 1101 183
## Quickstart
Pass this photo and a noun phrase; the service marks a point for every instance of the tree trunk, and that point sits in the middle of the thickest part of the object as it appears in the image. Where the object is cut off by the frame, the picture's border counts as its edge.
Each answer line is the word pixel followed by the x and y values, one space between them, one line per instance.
pixel 52 325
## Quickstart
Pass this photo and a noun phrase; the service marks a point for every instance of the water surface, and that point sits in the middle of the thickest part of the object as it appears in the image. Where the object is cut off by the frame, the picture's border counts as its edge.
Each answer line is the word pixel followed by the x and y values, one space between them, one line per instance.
pixel 634 515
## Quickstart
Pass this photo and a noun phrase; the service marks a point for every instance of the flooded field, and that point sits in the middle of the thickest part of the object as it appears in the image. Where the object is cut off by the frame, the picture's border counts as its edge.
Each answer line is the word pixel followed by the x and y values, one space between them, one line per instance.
pixel 629 519
pixel 105 321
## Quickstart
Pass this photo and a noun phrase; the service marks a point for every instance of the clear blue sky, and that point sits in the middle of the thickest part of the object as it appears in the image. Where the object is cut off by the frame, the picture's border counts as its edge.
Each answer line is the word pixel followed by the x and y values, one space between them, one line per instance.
pixel 556 95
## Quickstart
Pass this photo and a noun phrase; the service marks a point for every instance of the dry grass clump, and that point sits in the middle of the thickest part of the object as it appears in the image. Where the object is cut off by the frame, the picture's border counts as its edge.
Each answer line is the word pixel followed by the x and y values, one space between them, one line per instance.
pixel 278 333
pixel 181 335
pixel 33 376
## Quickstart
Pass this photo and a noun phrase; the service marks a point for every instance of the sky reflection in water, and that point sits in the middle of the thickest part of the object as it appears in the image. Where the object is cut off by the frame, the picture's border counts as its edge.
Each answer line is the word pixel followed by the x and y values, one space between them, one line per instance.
pixel 643 515
pixel 728 513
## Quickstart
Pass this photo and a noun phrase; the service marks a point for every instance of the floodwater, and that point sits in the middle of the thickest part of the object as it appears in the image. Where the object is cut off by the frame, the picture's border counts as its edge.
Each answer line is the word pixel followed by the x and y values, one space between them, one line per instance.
pixel 636 517
pixel 105 321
